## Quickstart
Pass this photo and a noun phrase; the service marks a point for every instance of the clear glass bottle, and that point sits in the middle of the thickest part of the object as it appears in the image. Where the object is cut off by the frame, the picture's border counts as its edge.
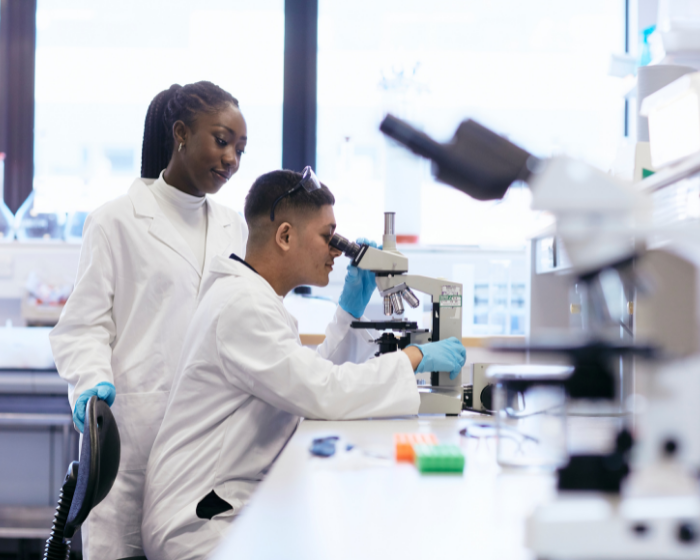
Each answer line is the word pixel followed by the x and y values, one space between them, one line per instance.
pixel 37 226
pixel 530 410
pixel 7 226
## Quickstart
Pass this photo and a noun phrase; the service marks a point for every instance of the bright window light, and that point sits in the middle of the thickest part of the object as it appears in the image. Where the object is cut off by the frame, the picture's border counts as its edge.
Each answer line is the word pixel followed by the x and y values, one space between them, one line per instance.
pixel 99 64
pixel 536 72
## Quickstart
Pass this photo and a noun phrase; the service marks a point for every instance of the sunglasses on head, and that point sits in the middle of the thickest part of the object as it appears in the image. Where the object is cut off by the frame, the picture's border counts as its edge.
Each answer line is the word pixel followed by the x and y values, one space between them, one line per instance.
pixel 309 182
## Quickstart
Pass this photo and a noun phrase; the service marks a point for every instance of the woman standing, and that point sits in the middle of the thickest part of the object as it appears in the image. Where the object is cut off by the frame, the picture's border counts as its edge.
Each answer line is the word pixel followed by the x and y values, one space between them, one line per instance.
pixel 141 265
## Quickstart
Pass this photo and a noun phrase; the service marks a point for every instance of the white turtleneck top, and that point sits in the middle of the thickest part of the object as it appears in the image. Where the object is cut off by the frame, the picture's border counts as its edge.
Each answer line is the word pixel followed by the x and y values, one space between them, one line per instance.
pixel 187 213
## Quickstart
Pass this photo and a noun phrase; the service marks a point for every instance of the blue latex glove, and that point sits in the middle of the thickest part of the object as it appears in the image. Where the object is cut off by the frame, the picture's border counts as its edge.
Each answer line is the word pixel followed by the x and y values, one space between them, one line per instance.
pixel 104 391
pixel 358 288
pixel 445 355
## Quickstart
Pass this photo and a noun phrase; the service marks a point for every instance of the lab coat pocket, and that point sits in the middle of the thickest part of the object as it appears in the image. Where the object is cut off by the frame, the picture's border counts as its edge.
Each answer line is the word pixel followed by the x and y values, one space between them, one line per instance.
pixel 139 416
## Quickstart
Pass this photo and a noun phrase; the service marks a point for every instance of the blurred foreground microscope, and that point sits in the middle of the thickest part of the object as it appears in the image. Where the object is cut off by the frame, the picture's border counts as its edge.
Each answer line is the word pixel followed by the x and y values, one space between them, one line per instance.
pixel 443 395
pixel 641 499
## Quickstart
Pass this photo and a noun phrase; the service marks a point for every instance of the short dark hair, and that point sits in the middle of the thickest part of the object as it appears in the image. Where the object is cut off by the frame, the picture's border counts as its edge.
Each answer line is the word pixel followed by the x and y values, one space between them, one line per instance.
pixel 267 187
pixel 177 103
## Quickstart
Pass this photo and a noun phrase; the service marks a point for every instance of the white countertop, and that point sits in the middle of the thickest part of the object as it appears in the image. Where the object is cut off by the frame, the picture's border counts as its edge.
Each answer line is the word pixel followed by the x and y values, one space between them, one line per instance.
pixel 357 507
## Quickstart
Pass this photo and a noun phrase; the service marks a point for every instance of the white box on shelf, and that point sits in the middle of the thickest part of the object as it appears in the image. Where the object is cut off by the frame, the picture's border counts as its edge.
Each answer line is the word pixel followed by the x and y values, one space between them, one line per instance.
pixel 674 120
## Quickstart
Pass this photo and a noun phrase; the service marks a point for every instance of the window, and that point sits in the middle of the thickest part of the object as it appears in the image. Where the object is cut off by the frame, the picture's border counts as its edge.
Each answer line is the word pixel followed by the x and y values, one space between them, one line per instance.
pixel 99 64
pixel 534 71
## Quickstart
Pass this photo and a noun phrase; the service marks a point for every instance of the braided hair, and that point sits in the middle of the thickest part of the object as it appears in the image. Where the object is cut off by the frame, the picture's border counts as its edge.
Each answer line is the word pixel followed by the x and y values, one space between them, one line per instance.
pixel 177 103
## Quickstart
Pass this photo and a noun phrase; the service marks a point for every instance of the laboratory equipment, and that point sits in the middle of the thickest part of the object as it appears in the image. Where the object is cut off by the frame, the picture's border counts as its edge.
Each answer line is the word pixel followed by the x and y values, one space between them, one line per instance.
pixel 403 445
pixel 679 25
pixel 481 389
pixel 40 226
pixel 74 227
pixel 641 499
pixel 530 409
pixel 674 120
pixel 438 458
pixel 491 165
pixel 324 447
pixel 7 220
pixel 650 79
pixel 395 285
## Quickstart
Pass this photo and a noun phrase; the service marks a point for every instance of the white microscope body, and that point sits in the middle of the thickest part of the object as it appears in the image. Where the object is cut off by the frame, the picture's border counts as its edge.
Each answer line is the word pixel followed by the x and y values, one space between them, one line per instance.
pixel 443 395
pixel 605 225
pixel 656 516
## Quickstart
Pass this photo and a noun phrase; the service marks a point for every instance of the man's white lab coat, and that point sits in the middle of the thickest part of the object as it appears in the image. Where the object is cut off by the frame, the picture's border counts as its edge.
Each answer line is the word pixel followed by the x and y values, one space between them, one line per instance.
pixel 134 297
pixel 242 385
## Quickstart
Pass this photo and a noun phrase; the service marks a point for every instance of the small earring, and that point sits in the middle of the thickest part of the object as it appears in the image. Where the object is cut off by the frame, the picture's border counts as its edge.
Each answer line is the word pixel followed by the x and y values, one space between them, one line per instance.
pixel 180 147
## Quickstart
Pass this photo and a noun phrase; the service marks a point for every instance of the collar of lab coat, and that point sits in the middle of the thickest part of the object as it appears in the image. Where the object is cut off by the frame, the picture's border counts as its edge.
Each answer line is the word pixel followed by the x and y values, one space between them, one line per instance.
pixel 222 266
pixel 218 224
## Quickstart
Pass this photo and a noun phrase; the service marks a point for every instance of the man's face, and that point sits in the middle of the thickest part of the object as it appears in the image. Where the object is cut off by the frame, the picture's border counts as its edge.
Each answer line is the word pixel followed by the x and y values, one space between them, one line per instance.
pixel 314 257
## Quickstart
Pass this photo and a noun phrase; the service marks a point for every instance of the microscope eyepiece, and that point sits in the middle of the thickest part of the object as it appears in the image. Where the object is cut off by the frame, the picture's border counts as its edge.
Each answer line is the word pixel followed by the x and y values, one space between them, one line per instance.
pixel 349 248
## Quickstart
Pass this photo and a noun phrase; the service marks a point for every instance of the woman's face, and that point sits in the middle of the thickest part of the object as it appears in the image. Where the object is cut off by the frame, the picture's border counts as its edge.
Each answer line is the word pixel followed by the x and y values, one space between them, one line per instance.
pixel 212 150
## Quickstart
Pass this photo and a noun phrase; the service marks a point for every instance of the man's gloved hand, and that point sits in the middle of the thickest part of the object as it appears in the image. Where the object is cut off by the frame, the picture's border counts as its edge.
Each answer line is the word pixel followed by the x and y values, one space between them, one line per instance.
pixel 358 288
pixel 445 355
pixel 104 391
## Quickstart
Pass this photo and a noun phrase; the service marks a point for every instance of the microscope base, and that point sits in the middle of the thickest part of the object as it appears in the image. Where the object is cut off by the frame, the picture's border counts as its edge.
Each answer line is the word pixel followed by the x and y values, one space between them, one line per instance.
pixel 600 527
pixel 440 400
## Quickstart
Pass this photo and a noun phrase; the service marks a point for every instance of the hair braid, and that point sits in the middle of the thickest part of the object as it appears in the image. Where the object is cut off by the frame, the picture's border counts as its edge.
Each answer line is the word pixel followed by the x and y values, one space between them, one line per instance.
pixel 156 151
pixel 177 103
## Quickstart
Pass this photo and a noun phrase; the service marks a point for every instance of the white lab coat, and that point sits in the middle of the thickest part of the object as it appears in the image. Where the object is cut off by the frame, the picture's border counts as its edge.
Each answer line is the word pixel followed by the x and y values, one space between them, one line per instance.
pixel 242 385
pixel 136 291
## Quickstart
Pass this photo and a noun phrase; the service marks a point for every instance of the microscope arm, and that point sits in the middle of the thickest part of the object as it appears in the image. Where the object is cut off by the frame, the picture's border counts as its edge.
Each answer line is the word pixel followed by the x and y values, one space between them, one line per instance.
pixel 446 299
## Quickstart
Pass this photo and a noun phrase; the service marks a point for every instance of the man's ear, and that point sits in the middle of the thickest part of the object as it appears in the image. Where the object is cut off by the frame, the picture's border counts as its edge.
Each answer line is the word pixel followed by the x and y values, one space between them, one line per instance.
pixel 283 236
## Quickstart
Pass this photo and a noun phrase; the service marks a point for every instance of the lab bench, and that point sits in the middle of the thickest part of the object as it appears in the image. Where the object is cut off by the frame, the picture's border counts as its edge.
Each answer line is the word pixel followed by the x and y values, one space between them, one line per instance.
pixel 37 443
pixel 37 438
pixel 363 504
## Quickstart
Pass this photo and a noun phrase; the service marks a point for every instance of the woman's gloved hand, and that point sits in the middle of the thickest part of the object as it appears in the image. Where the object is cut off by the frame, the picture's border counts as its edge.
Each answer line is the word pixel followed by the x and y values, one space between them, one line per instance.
pixel 358 288
pixel 104 391
pixel 445 355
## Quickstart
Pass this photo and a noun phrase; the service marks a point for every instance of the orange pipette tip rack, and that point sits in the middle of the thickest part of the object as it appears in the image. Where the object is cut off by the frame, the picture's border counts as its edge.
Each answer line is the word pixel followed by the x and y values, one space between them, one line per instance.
pixel 404 444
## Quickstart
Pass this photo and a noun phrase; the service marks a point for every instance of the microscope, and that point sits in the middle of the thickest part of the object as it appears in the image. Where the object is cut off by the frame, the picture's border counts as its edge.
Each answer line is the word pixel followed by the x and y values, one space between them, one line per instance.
pixel 640 500
pixel 395 285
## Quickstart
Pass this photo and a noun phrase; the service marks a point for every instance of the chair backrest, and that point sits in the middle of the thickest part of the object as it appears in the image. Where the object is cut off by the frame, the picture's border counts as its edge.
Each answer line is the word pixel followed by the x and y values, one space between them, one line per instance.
pixel 99 463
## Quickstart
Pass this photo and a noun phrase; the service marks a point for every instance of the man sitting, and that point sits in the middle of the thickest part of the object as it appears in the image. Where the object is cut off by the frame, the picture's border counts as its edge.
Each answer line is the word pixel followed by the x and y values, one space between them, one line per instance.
pixel 244 379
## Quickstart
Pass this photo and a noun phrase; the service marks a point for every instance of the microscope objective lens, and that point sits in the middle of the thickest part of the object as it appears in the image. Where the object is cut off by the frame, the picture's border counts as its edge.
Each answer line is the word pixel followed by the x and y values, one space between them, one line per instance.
pixel 388 307
pixel 410 298
pixel 397 303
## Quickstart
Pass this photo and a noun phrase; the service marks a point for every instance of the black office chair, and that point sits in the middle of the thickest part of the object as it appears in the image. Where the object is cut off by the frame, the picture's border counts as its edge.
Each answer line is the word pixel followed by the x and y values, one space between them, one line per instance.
pixel 88 481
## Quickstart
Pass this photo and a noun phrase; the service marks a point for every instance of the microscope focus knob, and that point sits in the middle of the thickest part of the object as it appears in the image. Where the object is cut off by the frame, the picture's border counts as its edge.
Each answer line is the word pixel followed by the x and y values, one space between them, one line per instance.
pixel 670 447
pixel 486 397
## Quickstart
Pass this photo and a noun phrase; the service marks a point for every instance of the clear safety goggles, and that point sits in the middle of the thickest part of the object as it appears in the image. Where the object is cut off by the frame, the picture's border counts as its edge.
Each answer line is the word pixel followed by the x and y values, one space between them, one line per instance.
pixel 309 182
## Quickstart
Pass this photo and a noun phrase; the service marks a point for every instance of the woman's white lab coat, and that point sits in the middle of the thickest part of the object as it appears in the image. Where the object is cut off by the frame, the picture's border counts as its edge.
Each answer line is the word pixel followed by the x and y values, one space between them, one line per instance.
pixel 125 322
pixel 243 382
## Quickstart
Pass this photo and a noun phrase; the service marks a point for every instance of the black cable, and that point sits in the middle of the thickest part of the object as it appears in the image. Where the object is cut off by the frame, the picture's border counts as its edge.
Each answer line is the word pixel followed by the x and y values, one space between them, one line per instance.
pixel 57 547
